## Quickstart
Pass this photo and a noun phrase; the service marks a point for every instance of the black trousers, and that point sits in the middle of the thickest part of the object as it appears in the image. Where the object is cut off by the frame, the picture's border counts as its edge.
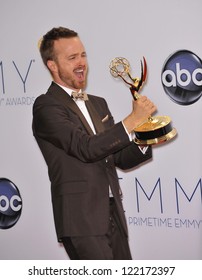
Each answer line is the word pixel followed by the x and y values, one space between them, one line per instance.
pixel 112 246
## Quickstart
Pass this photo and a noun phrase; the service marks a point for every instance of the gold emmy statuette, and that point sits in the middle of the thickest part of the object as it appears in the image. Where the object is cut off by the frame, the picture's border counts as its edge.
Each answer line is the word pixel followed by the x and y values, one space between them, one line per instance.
pixel 156 129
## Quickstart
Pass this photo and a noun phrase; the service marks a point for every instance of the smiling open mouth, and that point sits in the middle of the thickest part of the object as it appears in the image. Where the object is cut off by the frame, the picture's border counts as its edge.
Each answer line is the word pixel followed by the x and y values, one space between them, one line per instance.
pixel 79 73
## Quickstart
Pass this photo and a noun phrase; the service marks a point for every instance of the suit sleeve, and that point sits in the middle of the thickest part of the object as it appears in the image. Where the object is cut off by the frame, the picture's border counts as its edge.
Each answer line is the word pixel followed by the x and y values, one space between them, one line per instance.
pixel 54 123
pixel 130 156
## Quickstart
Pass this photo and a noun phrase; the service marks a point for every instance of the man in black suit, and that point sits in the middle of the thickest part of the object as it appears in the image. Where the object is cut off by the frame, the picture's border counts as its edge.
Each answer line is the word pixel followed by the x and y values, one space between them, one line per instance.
pixel 82 148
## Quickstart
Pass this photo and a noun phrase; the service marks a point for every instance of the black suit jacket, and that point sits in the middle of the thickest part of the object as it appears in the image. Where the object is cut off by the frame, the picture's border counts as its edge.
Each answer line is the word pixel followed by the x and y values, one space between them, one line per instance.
pixel 82 165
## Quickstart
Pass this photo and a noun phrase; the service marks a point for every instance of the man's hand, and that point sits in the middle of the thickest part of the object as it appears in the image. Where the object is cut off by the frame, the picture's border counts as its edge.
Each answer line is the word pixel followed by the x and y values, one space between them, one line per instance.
pixel 143 108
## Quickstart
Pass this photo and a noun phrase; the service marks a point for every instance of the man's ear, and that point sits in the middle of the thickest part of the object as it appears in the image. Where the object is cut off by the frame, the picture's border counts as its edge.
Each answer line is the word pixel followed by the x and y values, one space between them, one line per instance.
pixel 51 66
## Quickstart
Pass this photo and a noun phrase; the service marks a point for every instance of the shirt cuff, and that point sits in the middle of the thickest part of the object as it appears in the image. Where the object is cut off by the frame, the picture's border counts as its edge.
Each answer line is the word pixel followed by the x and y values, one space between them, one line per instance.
pixel 129 134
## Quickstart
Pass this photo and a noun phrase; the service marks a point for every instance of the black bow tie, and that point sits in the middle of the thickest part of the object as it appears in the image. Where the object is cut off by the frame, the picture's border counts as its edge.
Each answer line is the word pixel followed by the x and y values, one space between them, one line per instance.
pixel 79 96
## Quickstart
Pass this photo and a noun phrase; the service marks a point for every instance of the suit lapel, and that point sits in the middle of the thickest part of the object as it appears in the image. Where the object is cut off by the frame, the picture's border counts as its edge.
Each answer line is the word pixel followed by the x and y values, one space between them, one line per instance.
pixel 65 99
pixel 99 127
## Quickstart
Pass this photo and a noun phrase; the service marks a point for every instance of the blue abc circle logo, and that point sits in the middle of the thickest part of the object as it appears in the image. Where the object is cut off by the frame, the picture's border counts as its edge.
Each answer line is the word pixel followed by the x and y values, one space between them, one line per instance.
pixel 10 204
pixel 182 77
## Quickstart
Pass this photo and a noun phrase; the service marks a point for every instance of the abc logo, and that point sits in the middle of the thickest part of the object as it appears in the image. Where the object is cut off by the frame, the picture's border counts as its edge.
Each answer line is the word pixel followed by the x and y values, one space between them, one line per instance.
pixel 182 77
pixel 10 204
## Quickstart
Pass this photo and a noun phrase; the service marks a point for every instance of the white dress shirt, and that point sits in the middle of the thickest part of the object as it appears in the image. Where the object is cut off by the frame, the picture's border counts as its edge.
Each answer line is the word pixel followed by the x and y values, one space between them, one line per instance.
pixel 82 106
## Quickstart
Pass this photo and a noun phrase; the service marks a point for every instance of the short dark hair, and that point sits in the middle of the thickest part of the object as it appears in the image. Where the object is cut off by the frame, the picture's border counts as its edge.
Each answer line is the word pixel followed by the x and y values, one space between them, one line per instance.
pixel 47 42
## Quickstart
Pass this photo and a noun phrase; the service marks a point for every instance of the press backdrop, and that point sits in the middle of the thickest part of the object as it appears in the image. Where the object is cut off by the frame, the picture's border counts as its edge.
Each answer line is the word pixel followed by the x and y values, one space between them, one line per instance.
pixel 162 199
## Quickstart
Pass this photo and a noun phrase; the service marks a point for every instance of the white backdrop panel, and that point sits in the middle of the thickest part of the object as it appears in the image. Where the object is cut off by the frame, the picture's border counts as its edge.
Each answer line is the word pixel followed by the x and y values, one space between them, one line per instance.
pixel 168 226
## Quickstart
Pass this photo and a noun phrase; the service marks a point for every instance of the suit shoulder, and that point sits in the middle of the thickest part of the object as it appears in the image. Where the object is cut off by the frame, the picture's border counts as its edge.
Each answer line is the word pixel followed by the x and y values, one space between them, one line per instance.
pixel 97 99
pixel 44 99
